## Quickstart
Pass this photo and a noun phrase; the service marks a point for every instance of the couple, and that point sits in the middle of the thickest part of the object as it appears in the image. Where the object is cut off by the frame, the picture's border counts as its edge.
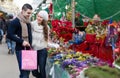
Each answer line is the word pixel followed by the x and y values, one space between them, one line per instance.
pixel 27 34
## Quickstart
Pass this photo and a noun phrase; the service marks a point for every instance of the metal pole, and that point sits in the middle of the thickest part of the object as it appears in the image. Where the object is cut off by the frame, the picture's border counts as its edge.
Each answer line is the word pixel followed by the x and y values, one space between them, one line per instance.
pixel 73 13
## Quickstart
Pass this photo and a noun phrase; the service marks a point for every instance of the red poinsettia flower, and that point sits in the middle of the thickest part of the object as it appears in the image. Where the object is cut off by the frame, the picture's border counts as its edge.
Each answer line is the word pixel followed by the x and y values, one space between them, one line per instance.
pixel 63 29
pixel 105 22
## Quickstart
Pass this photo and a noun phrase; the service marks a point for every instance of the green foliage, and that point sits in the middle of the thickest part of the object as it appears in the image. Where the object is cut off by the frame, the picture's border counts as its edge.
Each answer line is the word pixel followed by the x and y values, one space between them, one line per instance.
pixel 118 61
pixel 102 72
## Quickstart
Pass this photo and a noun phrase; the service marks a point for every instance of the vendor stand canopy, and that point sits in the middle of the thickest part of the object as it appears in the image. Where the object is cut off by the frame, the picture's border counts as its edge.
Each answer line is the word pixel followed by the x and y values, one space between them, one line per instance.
pixel 106 9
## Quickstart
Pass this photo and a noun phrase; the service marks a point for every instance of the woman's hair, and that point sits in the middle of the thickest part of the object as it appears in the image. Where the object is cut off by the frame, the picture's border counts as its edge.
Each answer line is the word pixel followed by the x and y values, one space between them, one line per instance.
pixel 45 30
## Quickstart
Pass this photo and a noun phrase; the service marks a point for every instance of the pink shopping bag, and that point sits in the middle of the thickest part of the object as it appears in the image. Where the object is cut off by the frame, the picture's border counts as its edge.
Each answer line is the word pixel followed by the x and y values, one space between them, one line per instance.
pixel 29 60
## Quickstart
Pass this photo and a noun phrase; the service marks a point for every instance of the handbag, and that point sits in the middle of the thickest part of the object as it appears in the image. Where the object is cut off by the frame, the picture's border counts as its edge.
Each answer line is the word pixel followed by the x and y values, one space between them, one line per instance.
pixel 29 59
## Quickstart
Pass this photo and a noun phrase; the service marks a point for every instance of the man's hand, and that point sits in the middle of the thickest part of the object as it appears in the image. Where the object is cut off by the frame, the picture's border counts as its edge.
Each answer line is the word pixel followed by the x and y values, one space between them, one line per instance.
pixel 25 43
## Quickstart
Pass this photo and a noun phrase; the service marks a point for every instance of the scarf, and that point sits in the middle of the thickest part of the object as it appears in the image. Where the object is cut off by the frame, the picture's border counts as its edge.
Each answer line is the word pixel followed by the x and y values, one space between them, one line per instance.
pixel 23 22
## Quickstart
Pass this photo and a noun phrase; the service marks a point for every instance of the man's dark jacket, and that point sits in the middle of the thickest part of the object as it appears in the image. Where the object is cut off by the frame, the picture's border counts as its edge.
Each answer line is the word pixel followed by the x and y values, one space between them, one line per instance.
pixel 15 33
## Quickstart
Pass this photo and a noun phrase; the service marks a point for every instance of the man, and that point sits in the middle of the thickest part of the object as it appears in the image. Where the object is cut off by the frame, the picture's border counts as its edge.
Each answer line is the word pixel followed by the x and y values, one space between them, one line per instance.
pixel 2 28
pixel 10 43
pixel 19 31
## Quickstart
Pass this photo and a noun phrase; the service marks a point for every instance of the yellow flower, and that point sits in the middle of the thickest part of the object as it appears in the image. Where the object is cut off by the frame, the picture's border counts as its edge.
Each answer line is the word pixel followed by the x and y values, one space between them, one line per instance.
pixel 56 62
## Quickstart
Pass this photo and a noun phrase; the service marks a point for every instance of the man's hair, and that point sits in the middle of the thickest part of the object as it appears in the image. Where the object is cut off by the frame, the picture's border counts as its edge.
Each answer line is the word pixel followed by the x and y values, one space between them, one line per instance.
pixel 26 6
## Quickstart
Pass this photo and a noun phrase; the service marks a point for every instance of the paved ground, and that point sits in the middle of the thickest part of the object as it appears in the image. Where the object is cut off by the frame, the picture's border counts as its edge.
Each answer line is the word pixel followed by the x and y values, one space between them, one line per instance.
pixel 8 63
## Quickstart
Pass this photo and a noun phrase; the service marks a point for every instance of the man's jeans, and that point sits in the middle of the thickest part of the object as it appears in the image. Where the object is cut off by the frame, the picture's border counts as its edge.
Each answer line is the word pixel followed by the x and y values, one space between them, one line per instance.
pixel 1 34
pixel 11 45
pixel 23 73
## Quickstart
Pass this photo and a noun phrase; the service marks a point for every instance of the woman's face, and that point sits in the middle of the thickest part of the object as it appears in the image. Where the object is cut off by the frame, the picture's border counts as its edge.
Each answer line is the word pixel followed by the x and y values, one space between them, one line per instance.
pixel 39 19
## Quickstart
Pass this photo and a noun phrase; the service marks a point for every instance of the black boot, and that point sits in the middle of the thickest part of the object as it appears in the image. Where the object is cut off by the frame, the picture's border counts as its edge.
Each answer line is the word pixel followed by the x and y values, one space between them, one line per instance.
pixel 9 52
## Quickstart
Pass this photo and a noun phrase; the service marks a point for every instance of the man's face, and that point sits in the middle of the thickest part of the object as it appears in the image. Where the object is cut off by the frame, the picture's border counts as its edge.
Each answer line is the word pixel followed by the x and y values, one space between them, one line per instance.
pixel 27 13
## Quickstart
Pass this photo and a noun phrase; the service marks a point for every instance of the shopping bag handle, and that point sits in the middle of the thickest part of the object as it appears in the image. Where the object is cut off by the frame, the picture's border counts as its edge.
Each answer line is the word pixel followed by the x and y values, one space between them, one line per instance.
pixel 29 47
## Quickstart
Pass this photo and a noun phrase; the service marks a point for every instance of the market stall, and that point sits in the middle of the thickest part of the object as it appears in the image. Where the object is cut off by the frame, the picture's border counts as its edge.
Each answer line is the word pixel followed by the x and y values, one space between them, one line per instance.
pixel 94 45
pixel 100 45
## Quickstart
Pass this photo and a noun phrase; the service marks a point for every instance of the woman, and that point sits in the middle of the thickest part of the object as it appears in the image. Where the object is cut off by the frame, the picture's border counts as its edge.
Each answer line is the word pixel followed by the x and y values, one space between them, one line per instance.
pixel 78 37
pixel 40 42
